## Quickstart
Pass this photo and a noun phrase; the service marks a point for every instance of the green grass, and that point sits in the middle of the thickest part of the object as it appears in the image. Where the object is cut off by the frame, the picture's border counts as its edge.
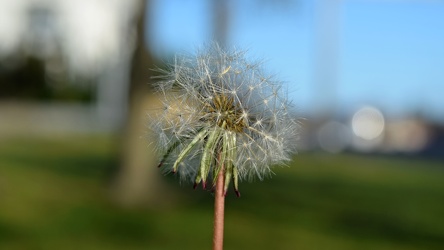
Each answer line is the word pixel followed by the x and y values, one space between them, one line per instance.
pixel 54 194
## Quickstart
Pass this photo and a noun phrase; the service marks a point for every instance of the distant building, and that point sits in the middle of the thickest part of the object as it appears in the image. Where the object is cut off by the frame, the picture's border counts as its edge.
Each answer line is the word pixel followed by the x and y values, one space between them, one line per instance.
pixel 369 131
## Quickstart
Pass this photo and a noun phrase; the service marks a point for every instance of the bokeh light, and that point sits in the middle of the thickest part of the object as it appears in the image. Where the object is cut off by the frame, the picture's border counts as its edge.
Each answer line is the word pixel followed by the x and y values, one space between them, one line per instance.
pixel 368 123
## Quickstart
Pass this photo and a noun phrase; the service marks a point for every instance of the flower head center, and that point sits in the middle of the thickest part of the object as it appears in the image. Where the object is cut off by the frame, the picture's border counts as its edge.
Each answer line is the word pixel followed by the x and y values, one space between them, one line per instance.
pixel 222 110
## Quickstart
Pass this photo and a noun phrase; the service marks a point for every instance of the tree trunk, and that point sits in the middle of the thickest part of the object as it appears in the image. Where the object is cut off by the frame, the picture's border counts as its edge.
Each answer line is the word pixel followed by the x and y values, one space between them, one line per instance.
pixel 138 182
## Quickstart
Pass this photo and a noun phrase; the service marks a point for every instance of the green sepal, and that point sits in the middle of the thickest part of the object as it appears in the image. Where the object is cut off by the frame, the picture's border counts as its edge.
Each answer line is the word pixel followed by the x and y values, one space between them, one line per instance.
pixel 208 153
pixel 168 152
pixel 173 147
pixel 228 175
pixel 235 170
pixel 188 148
pixel 230 152
pixel 197 180
pixel 236 179
pixel 220 161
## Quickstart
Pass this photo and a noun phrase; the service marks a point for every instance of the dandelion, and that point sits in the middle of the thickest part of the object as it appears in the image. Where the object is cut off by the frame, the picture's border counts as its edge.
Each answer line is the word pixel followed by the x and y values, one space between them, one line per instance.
pixel 223 120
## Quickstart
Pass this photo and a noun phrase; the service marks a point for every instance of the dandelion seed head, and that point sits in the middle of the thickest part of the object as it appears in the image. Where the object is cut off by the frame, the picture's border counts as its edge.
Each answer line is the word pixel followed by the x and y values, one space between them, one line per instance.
pixel 219 101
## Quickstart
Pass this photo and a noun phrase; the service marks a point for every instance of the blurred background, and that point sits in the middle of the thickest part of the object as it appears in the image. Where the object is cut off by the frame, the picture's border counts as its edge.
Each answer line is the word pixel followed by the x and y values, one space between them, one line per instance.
pixel 366 79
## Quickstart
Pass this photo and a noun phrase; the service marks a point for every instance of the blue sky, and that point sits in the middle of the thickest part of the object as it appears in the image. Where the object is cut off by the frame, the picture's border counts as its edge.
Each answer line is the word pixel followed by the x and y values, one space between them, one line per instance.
pixel 389 54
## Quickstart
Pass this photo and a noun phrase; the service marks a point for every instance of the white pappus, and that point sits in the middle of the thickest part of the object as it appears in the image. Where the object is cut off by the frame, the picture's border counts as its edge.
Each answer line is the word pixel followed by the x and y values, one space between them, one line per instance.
pixel 222 113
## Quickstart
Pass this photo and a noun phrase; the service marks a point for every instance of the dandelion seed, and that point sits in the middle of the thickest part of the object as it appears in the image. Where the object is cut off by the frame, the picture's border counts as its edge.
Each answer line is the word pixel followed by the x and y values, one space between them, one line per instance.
pixel 229 117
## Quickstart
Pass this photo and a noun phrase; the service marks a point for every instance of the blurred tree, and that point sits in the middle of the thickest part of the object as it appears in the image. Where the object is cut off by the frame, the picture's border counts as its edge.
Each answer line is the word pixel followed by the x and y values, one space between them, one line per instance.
pixel 102 52
pixel 33 66
pixel 325 78
pixel 138 180
pixel 27 81
pixel 221 17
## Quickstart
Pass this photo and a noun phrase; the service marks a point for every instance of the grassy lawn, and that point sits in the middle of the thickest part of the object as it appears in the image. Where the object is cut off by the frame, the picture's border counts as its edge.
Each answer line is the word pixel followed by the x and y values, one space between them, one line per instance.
pixel 54 194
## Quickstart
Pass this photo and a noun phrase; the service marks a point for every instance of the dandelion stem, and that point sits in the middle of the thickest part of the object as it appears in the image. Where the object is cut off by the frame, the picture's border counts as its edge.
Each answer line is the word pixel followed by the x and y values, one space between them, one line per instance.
pixel 219 209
